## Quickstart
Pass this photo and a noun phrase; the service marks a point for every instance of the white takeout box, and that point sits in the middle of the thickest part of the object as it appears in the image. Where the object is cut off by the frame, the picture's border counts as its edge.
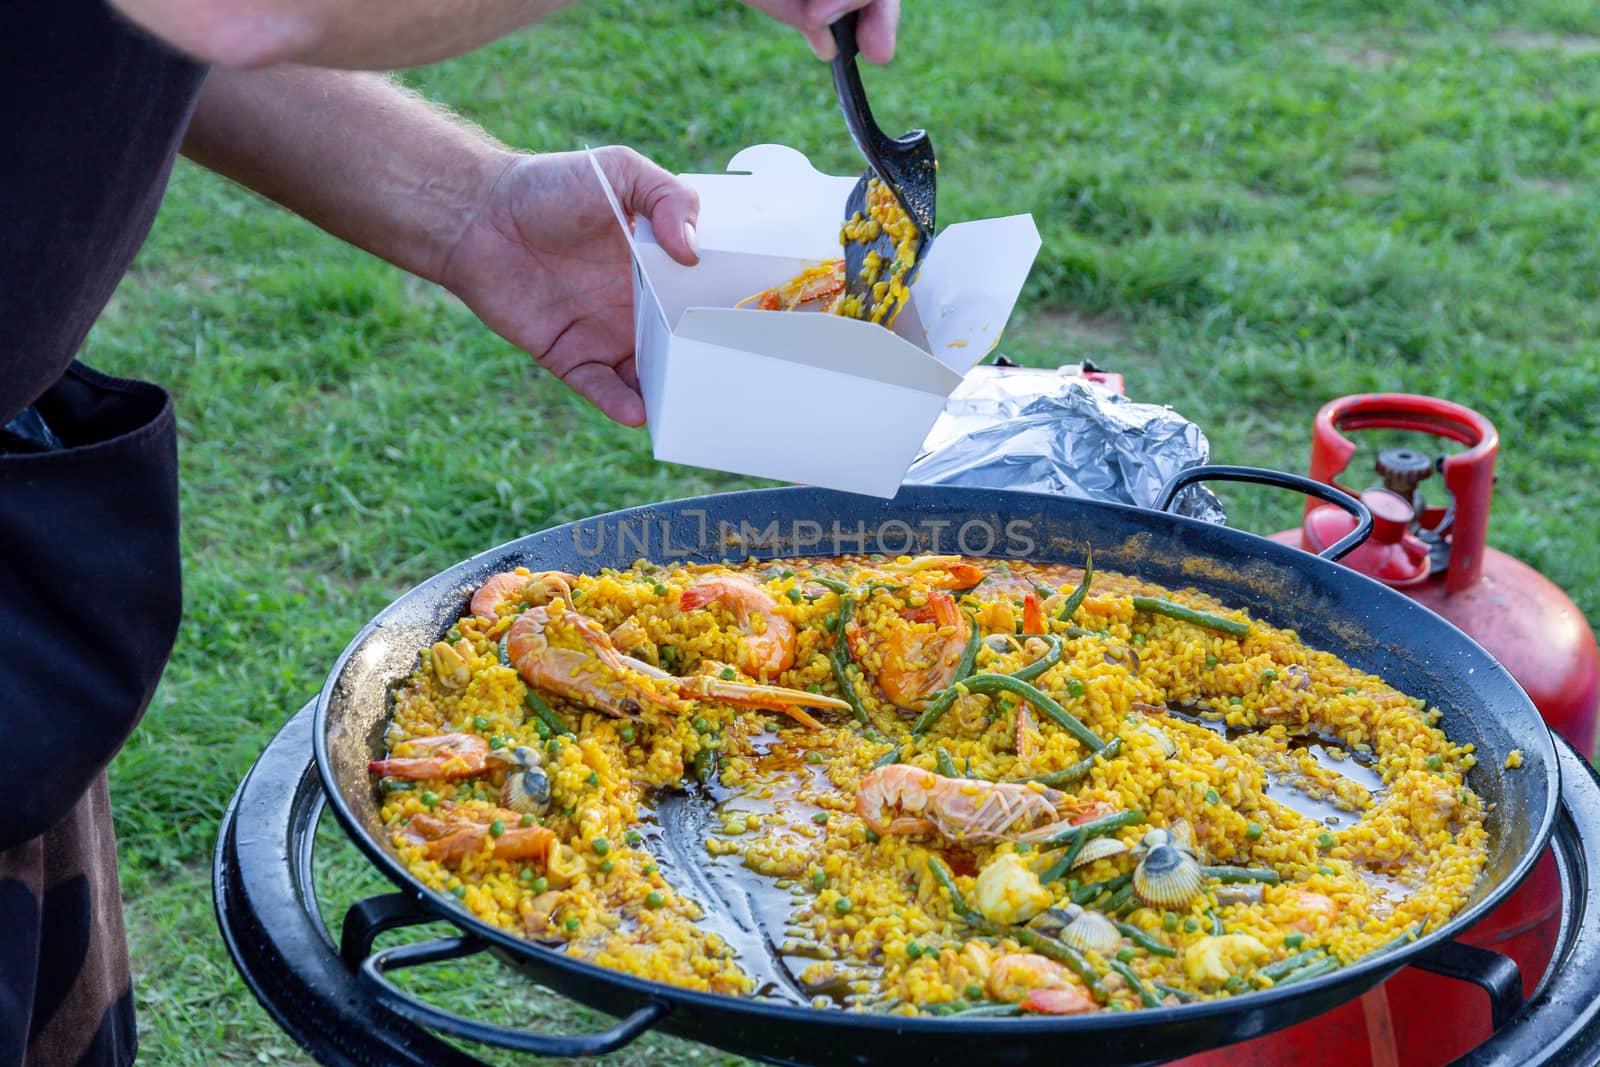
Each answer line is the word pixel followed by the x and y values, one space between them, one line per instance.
pixel 806 396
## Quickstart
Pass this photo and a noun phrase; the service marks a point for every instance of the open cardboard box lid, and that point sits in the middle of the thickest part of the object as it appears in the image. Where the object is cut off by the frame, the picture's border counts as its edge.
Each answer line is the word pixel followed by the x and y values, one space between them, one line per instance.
pixel 806 396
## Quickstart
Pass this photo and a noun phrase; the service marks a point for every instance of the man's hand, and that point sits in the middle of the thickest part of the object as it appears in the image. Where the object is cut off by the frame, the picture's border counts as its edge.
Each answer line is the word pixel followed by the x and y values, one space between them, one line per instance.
pixel 875 31
pixel 545 265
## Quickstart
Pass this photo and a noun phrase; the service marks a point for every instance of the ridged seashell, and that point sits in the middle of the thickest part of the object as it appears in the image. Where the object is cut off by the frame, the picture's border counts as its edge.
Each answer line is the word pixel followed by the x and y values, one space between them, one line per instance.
pixel 526 792
pixel 1168 877
pixel 1168 746
pixel 1098 848
pixel 1091 931
pixel 1052 921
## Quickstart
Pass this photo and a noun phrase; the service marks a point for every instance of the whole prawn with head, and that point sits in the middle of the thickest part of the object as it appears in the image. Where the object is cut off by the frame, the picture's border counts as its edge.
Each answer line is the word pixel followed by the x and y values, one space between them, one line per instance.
pixel 902 799
pixel 917 659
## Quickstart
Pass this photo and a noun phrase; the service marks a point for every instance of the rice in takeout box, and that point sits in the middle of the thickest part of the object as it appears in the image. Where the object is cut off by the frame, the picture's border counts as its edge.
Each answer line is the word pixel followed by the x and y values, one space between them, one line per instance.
pixel 806 396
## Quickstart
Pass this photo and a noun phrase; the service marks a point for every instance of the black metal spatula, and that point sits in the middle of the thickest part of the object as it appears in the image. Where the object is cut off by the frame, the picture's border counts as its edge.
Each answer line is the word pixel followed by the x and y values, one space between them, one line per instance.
pixel 905 165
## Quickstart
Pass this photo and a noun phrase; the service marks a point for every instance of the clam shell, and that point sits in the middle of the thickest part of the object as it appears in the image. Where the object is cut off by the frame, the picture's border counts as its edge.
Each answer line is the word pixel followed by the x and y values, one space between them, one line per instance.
pixel 1168 746
pixel 526 792
pixel 1098 848
pixel 1168 878
pixel 1091 931
pixel 1052 921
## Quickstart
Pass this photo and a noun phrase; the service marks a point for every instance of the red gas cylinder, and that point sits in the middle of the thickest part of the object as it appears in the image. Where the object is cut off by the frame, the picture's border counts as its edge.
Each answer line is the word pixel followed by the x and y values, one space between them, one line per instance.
pixel 1438 556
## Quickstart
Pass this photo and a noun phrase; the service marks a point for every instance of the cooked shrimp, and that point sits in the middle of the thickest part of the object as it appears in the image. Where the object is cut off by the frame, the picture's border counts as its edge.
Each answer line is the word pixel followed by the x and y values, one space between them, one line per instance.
pixel 594 673
pixel 514 587
pixel 765 652
pixel 712 684
pixel 902 799
pixel 918 663
pixel 1067 1001
pixel 1016 976
pixel 460 831
pixel 813 283
pixel 1033 615
pixel 938 572
pixel 1323 910
pixel 442 756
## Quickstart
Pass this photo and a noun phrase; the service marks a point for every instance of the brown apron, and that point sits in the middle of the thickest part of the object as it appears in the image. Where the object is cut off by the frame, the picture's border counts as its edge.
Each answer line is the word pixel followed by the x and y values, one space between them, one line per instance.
pixel 89 606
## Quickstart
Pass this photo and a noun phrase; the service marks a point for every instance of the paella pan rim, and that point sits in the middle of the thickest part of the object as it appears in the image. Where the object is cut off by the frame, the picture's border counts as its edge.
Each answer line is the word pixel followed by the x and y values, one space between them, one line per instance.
pixel 1272 1006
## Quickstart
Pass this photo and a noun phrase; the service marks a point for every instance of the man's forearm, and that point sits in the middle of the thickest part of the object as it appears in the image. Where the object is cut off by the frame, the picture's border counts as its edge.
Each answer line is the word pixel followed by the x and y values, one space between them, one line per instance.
pixel 356 154
pixel 356 34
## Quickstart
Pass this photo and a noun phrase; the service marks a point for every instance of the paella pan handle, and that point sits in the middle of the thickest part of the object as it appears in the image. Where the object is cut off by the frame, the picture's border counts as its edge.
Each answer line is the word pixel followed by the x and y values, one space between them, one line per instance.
pixel 1495 974
pixel 368 918
pixel 1281 480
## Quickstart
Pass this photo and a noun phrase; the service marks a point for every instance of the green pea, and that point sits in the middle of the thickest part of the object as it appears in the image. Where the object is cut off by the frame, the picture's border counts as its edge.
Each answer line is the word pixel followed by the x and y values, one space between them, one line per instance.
pixel 914 950
pixel 831 623
pixel 1138 639
pixel 480 722
pixel 527 820
pixel 497 743
pixel 654 899
pixel 1169 921
pixel 1233 984
pixel 660 590
pixel 728 674
pixel 700 724
pixel 430 799
pixel 1236 701
pixel 1294 940
pixel 1436 762
pixel 593 779
pixel 1325 840
pixel 542 729
pixel 1325 870
pixel 819 880
pixel 813 688
pixel 540 884
pixel 1269 676
pixel 627 735
pixel 1190 925
pixel 974 991
pixel 793 595
pixel 633 837
pixel 816 757
pixel 607 867
pixel 1074 688
pixel 1125 955
pixel 601 846
pixel 1211 661
pixel 460 891
pixel 1252 830
pixel 842 905
pixel 1212 797
pixel 1349 690
pixel 497 828
pixel 526 875
pixel 787 572
pixel 554 747
pixel 820 818
pixel 573 924
pixel 872 837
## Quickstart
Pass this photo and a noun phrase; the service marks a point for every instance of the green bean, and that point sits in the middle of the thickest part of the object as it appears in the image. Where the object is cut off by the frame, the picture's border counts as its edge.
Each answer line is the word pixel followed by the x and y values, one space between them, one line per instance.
pixel 1069 774
pixel 1183 995
pixel 1145 941
pixel 840 660
pixel 705 765
pixel 946 765
pixel 1120 898
pixel 546 716
pixel 1004 683
pixel 978 1011
pixel 1265 875
pixel 1051 657
pixel 1093 828
pixel 957 902
pixel 1093 889
pixel 1191 616
pixel 1060 867
pixel 1217 929
pixel 1404 939
pixel 1310 970
pixel 945 699
pixel 832 585
pixel 891 756
pixel 1149 999
pixel 1276 971
pixel 1075 601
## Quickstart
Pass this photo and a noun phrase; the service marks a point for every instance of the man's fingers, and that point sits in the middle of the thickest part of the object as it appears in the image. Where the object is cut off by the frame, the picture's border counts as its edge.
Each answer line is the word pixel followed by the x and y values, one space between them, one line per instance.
pixel 603 388
pixel 646 189
pixel 875 32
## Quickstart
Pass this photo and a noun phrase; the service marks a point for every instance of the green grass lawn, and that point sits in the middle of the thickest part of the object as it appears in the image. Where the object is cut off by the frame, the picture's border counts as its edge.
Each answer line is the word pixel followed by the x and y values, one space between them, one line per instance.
pixel 1247 207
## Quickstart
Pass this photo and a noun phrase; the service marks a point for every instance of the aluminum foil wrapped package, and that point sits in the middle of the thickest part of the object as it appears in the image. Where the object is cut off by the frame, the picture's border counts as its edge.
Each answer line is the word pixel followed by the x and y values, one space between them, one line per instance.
pixel 1054 431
